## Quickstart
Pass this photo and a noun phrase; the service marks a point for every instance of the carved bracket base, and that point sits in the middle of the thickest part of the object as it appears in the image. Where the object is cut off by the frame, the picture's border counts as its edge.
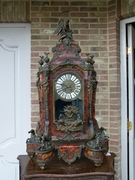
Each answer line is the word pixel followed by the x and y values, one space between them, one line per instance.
pixel 69 153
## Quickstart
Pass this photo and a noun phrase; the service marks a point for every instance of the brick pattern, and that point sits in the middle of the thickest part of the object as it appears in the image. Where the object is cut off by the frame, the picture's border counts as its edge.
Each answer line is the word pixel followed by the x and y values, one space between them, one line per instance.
pixel 14 11
pixel 127 8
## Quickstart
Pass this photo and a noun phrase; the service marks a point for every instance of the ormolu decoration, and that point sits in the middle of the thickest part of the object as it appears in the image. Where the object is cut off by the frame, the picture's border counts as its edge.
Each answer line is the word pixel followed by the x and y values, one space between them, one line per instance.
pixel 70 120
pixel 67 92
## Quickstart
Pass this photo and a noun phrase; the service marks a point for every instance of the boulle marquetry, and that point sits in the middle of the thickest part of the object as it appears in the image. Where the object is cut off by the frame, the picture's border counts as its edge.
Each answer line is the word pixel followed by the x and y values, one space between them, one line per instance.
pixel 67 128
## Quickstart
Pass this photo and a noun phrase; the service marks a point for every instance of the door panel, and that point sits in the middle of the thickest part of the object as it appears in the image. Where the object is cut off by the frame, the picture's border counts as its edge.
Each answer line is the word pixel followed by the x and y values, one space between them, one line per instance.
pixel 7 64
pixel 14 96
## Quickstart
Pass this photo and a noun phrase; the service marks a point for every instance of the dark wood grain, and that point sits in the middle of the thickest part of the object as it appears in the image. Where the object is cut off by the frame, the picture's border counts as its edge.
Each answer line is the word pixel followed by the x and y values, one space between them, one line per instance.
pixel 82 168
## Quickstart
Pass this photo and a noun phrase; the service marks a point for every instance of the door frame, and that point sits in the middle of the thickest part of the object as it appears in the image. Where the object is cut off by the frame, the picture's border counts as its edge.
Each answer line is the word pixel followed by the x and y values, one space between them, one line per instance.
pixel 123 73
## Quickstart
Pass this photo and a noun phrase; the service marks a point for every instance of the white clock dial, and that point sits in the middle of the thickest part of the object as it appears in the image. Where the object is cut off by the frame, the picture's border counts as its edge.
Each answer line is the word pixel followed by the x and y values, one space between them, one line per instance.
pixel 68 86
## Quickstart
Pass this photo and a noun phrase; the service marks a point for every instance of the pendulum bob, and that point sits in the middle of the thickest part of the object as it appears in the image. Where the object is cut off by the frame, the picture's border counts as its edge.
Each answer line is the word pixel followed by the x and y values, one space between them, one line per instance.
pixel 43 156
pixel 95 155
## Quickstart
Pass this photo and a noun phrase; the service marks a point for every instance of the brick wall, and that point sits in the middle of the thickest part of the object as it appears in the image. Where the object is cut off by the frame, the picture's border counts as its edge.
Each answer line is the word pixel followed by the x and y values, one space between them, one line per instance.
pixel 95 26
pixel 114 83
pixel 14 11
pixel 127 8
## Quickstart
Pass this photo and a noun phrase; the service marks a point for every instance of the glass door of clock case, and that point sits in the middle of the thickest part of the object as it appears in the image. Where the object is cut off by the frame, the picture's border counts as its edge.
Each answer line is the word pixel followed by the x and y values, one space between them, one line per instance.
pixel 68 102
pixel 69 115
pixel 60 106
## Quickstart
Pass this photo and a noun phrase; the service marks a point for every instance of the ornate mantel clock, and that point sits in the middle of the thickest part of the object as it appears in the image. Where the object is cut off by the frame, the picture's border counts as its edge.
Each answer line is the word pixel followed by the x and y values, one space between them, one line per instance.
pixel 67 89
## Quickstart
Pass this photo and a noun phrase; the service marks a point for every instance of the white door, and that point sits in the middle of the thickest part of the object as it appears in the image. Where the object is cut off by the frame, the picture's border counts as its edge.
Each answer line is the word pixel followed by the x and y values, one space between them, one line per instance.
pixel 14 96
pixel 131 99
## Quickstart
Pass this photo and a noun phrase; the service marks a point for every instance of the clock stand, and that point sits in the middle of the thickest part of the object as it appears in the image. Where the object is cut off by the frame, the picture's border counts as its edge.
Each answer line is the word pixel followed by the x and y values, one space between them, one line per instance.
pixel 67 129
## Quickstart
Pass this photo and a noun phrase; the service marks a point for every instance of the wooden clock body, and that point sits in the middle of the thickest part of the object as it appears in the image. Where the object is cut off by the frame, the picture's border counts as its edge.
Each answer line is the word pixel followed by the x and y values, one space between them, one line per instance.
pixel 64 63
pixel 67 89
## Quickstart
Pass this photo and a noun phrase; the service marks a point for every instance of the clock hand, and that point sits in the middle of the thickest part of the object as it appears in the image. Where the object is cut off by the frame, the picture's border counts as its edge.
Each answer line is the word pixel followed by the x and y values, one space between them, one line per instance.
pixel 64 85
pixel 67 86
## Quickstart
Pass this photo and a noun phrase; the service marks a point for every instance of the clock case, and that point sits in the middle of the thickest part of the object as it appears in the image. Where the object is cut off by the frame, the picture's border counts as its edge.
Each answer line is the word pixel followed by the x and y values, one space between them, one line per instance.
pixel 67 128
